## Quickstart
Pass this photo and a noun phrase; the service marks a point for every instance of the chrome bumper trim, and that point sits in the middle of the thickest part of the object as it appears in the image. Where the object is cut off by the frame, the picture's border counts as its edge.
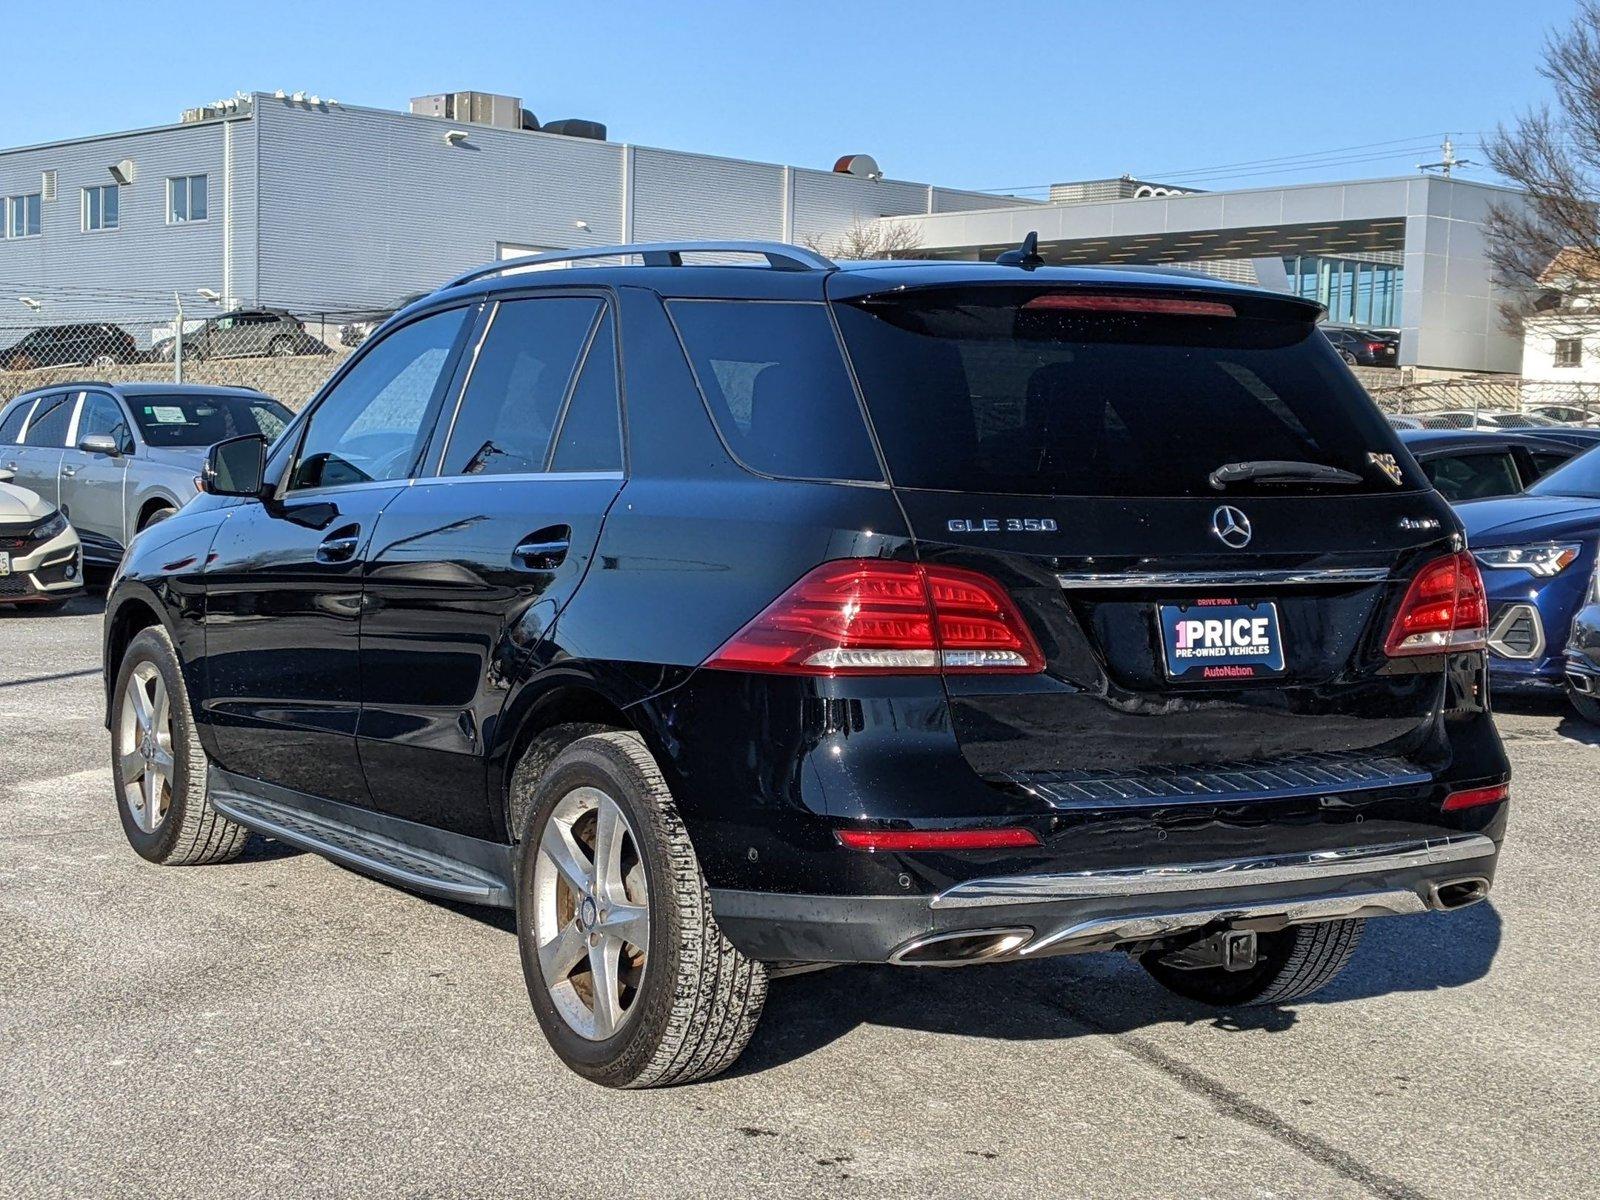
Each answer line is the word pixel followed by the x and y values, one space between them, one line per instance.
pixel 1509 616
pixel 1209 579
pixel 1179 878
pixel 1144 927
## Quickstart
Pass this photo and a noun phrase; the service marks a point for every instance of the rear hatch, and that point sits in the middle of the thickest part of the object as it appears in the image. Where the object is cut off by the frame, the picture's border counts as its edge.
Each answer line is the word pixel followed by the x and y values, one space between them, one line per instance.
pixel 1064 436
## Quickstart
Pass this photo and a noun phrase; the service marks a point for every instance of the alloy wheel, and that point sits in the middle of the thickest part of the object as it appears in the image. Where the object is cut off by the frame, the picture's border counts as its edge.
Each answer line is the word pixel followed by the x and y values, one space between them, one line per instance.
pixel 592 912
pixel 144 747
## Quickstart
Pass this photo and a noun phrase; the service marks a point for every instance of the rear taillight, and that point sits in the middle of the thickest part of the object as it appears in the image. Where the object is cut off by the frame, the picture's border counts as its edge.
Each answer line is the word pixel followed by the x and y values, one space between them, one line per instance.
pixel 1445 609
pixel 875 617
pixel 1375 347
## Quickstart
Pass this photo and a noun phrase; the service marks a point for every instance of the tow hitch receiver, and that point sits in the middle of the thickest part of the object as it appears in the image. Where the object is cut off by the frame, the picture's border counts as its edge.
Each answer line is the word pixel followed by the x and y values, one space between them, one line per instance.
pixel 1230 949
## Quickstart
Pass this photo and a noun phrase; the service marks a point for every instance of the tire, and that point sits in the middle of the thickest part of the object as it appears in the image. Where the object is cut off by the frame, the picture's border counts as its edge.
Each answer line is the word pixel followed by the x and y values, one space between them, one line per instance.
pixel 280 347
pixel 154 516
pixel 1585 706
pixel 187 831
pixel 1290 963
pixel 689 1007
pixel 1350 359
pixel 103 362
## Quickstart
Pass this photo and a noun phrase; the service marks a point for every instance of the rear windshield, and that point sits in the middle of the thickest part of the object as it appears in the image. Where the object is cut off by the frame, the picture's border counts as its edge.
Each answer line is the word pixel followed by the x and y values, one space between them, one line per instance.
pixel 191 420
pixel 1004 390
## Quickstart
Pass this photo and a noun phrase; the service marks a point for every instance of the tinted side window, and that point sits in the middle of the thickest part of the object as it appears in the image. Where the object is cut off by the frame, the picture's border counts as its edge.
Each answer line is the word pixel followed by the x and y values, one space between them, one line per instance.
pixel 591 432
pixel 775 381
pixel 50 420
pixel 1473 476
pixel 518 384
pixel 11 427
pixel 102 414
pixel 371 425
pixel 1544 461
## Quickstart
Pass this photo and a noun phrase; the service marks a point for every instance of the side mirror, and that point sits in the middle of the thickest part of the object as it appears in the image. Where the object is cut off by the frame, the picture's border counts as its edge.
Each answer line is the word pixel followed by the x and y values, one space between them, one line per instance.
pixel 235 467
pixel 100 443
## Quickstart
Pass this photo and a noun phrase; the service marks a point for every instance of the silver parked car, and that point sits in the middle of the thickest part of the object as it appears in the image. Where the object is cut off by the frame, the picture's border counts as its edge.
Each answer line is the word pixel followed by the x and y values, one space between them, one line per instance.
pixel 118 457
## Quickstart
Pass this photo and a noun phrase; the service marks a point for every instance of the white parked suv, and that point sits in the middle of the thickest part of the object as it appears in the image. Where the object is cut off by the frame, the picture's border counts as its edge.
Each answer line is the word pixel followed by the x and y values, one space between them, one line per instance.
pixel 41 562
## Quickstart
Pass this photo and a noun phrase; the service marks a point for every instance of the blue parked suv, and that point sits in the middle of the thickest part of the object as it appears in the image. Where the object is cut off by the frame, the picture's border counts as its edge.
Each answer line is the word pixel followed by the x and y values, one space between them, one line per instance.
pixel 1537 552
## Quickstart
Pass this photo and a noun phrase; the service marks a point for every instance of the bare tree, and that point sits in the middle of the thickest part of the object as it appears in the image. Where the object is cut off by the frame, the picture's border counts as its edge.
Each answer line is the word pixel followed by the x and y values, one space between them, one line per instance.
pixel 871 240
pixel 1547 249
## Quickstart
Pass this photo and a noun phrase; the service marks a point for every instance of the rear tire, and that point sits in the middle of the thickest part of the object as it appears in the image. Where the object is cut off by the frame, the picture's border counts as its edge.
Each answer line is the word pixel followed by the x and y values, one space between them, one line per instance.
pixel 1586 707
pixel 687 1002
pixel 1290 963
pixel 153 516
pixel 158 765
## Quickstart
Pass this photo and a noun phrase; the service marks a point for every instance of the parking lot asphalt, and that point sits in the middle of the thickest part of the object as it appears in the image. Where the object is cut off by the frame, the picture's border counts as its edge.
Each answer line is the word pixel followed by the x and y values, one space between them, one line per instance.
pixel 283 1027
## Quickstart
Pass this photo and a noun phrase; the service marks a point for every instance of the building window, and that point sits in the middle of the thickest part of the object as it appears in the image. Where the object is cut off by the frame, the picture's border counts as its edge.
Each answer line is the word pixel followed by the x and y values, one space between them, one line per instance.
pixel 1569 352
pixel 22 216
pixel 186 199
pixel 100 208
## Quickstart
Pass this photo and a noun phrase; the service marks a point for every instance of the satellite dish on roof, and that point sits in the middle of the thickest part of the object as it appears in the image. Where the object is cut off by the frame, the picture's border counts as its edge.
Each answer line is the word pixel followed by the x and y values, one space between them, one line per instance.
pixel 863 166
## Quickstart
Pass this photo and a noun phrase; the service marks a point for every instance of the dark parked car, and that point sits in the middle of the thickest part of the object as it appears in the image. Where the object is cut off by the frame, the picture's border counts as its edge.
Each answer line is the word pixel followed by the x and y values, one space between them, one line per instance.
pixel 95 345
pixel 1537 551
pixel 1477 464
pixel 245 333
pixel 1363 346
pixel 353 333
pixel 916 613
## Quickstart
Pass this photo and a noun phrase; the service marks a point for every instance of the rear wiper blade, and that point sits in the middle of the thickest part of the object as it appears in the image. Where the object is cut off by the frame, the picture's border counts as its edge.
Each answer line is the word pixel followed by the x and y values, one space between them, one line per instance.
pixel 1278 470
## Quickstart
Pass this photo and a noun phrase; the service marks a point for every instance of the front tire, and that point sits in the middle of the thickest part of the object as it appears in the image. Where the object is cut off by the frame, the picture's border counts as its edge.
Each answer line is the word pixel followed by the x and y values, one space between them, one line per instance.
pixel 631 980
pixel 1585 706
pixel 158 763
pixel 1290 963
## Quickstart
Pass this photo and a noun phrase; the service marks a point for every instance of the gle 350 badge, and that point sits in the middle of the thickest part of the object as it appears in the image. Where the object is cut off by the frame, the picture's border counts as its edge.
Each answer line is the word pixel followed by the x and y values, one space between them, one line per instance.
pixel 1221 639
pixel 1002 525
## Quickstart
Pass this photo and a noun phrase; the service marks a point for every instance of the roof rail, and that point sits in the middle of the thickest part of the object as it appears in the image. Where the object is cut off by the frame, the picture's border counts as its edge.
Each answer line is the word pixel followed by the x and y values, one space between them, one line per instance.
pixel 779 256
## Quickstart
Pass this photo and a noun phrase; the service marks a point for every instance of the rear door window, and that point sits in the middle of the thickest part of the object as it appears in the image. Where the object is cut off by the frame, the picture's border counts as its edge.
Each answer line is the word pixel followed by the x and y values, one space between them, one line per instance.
pixel 11 426
pixel 518 385
pixel 1474 476
pixel 1026 391
pixel 777 388
pixel 50 420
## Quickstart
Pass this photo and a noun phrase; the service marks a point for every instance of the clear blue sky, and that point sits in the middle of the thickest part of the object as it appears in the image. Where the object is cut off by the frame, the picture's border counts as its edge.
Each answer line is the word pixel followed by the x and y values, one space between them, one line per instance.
pixel 976 94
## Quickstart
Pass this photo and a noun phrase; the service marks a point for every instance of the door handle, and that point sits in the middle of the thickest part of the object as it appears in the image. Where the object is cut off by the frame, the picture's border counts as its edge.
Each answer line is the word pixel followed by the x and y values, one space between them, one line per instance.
pixel 340 545
pixel 69 471
pixel 544 550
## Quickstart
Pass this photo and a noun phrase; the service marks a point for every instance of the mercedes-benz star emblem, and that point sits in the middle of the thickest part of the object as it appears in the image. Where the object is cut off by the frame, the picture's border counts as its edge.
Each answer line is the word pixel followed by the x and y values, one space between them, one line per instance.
pixel 1231 526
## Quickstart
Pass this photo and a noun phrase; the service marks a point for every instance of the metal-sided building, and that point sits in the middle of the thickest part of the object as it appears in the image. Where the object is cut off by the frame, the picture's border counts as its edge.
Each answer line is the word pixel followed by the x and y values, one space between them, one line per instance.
pixel 307 204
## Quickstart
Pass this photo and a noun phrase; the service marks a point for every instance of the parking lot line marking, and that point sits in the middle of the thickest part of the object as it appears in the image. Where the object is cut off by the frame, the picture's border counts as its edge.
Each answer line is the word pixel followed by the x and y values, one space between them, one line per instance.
pixel 5 683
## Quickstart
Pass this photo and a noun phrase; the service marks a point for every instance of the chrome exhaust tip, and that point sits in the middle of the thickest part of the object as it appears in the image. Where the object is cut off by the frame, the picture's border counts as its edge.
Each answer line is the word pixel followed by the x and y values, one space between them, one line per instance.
pixel 1580 683
pixel 1457 893
pixel 962 947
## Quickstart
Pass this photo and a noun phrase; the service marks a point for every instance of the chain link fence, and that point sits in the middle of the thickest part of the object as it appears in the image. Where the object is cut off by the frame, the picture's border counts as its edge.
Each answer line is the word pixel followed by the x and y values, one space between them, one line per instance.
pixel 1466 401
pixel 285 354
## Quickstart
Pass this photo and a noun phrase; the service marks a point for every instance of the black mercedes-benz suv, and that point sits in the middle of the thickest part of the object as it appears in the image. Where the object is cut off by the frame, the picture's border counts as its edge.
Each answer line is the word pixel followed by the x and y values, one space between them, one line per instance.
pixel 729 617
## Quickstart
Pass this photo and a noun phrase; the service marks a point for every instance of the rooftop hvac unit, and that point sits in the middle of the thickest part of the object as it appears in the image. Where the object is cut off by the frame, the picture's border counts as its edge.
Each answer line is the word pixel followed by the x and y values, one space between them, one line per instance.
pixel 471 108
pixel 576 127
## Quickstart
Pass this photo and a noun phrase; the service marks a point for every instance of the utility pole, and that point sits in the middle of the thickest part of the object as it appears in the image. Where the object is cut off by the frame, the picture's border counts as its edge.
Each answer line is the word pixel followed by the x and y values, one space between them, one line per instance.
pixel 177 341
pixel 1448 162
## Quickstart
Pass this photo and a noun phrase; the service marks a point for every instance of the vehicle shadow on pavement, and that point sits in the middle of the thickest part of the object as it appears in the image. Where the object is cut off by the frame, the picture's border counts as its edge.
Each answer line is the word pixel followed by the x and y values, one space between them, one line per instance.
pixel 1064 998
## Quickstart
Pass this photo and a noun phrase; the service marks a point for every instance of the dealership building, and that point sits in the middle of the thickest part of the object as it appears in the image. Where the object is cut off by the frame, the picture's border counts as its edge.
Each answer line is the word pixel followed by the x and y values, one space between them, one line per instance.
pixel 300 202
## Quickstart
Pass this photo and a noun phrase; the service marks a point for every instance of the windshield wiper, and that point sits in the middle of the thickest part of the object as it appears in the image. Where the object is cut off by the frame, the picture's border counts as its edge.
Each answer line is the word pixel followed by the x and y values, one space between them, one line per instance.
pixel 1277 470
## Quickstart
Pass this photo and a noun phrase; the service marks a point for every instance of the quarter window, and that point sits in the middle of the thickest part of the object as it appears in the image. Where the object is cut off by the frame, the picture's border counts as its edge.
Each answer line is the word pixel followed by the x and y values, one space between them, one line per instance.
pixel 100 207
pixel 11 426
pixel 521 379
pixel 775 381
pixel 1569 352
pixel 22 216
pixel 370 426
pixel 186 199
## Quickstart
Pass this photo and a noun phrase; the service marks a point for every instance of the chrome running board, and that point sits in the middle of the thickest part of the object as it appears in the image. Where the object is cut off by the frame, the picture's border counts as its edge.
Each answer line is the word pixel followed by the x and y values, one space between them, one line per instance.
pixel 413 856
pixel 1179 878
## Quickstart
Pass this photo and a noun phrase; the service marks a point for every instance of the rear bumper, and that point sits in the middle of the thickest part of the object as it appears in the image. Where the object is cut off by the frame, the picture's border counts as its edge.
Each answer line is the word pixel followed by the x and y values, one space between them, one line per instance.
pixel 1036 915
